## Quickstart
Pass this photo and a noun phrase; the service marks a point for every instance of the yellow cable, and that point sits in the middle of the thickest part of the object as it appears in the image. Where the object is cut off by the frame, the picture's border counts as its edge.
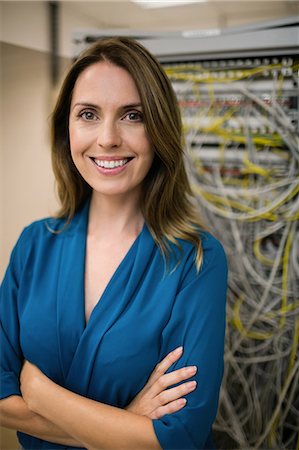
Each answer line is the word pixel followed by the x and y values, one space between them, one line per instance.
pixel 295 346
pixel 285 269
pixel 236 321
pixel 215 199
pixel 283 310
pixel 294 218
pixel 254 168
pixel 273 141
pixel 205 76
pixel 273 435
pixel 257 251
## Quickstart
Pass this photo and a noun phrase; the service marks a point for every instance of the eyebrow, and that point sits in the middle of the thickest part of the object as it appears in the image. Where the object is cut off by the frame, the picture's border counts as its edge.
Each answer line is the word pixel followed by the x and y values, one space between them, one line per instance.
pixel 124 107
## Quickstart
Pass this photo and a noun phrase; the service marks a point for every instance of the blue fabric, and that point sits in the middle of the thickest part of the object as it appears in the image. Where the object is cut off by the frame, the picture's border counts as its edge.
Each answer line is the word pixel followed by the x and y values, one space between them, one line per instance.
pixel 143 314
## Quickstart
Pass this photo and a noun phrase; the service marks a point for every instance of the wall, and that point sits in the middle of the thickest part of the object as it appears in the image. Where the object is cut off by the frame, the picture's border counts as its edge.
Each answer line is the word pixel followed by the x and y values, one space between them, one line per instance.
pixel 27 182
pixel 26 24
pixel 27 178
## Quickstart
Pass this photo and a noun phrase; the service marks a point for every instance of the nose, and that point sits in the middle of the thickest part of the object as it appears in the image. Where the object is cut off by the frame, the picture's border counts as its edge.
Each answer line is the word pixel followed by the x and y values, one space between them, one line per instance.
pixel 109 136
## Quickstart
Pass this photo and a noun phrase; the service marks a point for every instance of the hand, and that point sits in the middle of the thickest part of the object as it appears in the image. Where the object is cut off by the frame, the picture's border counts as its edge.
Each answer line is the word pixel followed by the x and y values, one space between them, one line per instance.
pixel 155 399
pixel 31 380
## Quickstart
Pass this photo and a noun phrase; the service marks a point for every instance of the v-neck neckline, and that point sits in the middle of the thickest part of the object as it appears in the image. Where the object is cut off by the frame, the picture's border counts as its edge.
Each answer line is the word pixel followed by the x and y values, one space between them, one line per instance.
pixel 113 276
pixel 108 286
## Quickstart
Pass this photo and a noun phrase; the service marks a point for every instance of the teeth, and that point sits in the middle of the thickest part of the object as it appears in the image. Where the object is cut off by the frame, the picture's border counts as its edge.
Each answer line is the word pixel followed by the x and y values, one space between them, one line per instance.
pixel 110 164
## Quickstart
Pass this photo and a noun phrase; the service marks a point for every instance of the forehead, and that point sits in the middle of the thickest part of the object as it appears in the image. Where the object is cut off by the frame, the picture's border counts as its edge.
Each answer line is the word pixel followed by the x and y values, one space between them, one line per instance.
pixel 106 82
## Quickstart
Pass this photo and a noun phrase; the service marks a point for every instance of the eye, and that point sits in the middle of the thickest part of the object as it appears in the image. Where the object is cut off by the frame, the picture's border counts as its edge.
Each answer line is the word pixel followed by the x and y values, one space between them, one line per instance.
pixel 88 115
pixel 134 116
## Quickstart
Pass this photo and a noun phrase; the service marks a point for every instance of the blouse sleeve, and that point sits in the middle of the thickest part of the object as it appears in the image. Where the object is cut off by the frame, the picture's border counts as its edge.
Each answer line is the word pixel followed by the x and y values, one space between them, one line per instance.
pixel 198 323
pixel 11 357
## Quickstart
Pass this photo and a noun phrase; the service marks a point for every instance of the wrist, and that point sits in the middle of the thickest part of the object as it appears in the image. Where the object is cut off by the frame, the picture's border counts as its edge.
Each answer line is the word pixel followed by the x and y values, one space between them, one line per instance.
pixel 34 384
pixel 41 386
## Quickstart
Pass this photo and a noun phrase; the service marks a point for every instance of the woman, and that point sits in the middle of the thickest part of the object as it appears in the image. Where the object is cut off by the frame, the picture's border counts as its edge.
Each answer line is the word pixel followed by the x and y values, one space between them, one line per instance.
pixel 115 303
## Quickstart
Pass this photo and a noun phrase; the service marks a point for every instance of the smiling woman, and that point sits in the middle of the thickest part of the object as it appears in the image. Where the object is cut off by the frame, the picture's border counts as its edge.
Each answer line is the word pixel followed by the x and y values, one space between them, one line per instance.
pixel 109 308
pixel 108 139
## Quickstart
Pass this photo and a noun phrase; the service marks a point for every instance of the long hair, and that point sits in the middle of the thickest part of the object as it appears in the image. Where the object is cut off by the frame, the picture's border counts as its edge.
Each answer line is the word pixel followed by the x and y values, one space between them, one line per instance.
pixel 166 202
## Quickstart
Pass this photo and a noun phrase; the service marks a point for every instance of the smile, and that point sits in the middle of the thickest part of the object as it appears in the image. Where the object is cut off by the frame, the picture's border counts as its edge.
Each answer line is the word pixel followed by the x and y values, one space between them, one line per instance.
pixel 111 164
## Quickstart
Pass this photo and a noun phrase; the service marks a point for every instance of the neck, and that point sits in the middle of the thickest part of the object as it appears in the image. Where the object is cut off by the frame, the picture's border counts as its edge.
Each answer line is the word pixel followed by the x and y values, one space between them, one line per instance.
pixel 114 215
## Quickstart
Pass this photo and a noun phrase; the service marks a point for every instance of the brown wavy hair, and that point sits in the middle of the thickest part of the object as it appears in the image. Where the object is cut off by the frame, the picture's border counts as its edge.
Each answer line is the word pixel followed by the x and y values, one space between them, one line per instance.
pixel 167 203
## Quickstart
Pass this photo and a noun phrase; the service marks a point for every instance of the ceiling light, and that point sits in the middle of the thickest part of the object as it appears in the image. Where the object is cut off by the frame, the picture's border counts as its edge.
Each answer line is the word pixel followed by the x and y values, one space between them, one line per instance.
pixel 201 33
pixel 165 3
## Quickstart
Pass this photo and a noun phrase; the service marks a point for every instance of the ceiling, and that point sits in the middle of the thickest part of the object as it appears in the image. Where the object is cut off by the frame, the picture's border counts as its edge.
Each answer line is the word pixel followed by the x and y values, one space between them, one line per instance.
pixel 126 15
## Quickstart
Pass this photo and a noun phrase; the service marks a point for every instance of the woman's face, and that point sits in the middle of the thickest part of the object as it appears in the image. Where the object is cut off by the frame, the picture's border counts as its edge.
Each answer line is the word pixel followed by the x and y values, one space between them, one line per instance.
pixel 108 140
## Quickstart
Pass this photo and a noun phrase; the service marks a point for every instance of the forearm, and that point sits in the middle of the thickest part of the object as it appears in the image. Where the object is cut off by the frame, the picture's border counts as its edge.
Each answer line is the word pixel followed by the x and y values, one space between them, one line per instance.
pixel 15 414
pixel 96 425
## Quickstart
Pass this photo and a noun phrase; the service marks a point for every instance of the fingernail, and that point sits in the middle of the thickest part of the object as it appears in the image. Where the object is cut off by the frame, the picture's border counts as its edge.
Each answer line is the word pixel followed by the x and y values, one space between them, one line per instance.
pixel 178 350
pixel 182 401
pixel 192 369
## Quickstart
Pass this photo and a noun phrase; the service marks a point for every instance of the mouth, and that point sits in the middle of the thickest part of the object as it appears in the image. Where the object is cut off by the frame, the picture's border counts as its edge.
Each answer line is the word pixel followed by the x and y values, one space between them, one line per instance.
pixel 111 164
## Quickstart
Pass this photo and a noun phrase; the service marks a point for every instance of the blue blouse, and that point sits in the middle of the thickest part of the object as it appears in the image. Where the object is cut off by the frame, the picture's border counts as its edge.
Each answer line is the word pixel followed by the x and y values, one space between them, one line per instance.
pixel 143 314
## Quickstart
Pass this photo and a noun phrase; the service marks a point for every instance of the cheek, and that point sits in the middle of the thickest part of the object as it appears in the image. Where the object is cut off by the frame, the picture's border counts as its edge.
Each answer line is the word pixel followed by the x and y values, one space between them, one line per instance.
pixel 145 147
pixel 150 159
pixel 150 154
pixel 79 141
pixel 73 140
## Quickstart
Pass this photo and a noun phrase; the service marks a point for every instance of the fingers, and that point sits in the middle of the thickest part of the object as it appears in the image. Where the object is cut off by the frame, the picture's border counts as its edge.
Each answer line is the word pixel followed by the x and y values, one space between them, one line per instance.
pixel 172 378
pixel 165 364
pixel 171 400
pixel 170 408
pixel 169 395
pixel 164 392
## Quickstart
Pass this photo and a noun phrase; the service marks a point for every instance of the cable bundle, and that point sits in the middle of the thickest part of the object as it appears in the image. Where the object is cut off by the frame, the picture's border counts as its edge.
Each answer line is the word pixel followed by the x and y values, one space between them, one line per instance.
pixel 240 119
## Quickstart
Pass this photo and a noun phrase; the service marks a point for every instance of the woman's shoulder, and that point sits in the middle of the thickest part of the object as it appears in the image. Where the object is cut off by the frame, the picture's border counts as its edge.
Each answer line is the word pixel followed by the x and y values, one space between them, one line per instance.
pixel 43 227
pixel 214 257
pixel 33 234
pixel 211 243
pixel 211 246
pixel 56 226
pixel 37 238
pixel 52 229
pixel 213 252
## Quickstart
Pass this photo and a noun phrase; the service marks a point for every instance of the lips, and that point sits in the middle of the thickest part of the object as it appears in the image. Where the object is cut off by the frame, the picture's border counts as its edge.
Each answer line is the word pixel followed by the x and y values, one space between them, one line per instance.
pixel 106 164
pixel 111 164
